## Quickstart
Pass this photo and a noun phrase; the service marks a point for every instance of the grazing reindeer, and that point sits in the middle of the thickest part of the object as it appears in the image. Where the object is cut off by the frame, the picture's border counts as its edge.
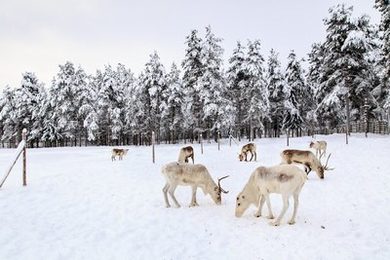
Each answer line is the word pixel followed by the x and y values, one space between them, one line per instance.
pixel 118 152
pixel 319 146
pixel 284 179
pixel 185 153
pixel 306 158
pixel 194 175
pixel 248 148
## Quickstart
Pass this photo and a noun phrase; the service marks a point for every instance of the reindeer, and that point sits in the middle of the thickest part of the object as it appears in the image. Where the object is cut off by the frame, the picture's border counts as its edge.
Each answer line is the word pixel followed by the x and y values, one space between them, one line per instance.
pixel 118 152
pixel 185 153
pixel 248 148
pixel 308 159
pixel 284 179
pixel 194 175
pixel 319 146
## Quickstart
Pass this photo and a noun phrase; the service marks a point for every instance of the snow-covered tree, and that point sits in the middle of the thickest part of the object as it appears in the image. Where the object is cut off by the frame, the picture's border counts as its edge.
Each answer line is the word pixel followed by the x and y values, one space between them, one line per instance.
pixel 171 109
pixel 299 95
pixel 65 99
pixel 150 96
pixel 276 86
pixel 8 114
pixel 27 101
pixel 256 91
pixel 383 7
pixel 212 82
pixel 345 70
pixel 193 69
pixel 237 81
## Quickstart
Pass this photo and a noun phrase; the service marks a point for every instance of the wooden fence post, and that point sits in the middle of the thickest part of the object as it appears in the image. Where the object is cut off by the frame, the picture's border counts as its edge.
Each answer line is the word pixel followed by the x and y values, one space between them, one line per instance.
pixel 219 141
pixel 288 137
pixel 153 141
pixel 201 143
pixel 24 137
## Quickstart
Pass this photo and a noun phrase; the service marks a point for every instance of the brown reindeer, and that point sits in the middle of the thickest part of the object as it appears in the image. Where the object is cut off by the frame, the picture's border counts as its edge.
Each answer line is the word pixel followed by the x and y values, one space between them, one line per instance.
pixel 118 152
pixel 185 153
pixel 248 148
pixel 308 159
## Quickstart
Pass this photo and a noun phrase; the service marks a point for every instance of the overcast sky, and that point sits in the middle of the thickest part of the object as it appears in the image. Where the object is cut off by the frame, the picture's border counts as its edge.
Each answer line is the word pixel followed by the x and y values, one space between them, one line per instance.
pixel 39 35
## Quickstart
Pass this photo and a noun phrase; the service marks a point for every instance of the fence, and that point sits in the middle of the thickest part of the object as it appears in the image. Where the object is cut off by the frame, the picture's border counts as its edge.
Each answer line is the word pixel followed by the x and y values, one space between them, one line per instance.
pixel 20 149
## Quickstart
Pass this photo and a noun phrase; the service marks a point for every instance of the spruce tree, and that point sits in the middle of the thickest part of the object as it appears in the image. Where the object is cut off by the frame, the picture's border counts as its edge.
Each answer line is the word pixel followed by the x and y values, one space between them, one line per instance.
pixel 172 114
pixel 383 7
pixel 256 90
pixel 237 81
pixel 299 94
pixel 193 69
pixel 275 84
pixel 212 82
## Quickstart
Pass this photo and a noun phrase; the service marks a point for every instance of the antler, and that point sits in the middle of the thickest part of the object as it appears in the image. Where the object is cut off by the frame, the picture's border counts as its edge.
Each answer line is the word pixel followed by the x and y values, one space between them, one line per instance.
pixel 219 184
pixel 326 164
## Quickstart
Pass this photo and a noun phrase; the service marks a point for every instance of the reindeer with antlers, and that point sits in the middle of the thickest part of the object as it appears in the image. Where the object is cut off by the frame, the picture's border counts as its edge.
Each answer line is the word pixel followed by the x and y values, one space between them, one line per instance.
pixel 308 159
pixel 194 175
pixel 319 146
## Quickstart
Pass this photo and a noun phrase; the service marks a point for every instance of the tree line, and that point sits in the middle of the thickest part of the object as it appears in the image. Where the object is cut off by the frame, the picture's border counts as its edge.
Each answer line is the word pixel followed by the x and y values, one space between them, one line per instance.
pixel 252 96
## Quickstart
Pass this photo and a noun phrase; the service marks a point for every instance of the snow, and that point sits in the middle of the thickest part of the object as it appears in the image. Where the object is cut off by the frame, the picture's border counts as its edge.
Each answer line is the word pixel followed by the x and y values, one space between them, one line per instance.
pixel 80 205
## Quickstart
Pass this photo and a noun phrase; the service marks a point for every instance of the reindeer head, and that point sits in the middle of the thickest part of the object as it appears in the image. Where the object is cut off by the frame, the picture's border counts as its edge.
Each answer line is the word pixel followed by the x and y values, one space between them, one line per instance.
pixel 323 168
pixel 240 157
pixel 311 144
pixel 242 203
pixel 216 193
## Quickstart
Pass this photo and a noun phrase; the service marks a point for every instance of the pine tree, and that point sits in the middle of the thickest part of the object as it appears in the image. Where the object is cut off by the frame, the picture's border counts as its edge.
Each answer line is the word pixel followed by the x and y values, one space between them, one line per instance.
pixel 212 82
pixel 256 90
pixel 299 94
pixel 65 99
pixel 237 81
pixel 275 84
pixel 383 7
pixel 27 100
pixel 345 69
pixel 172 114
pixel 88 111
pixel 152 87
pixel 8 114
pixel 193 69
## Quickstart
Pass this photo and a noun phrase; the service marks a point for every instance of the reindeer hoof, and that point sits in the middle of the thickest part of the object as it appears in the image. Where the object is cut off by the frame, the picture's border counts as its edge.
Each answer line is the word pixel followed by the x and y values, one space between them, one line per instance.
pixel 291 222
pixel 270 217
pixel 257 215
pixel 168 206
pixel 274 223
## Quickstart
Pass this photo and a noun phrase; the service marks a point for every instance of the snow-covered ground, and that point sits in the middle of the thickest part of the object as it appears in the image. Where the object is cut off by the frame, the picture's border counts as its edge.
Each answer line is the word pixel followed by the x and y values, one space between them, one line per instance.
pixel 80 205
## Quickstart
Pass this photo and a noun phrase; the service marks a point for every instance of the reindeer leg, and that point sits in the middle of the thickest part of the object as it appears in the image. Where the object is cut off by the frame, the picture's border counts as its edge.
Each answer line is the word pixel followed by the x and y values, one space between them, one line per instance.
pixel 251 157
pixel 246 157
pixel 261 203
pixel 193 160
pixel 270 215
pixel 171 191
pixel 193 200
pixel 285 207
pixel 296 203
pixel 255 156
pixel 165 190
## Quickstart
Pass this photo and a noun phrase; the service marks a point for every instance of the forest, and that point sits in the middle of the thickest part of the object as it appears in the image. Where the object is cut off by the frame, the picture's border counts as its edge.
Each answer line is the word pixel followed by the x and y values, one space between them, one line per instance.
pixel 250 95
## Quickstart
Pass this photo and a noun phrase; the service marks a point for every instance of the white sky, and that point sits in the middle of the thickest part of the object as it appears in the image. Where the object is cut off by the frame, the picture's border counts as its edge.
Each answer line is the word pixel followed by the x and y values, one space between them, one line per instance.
pixel 39 35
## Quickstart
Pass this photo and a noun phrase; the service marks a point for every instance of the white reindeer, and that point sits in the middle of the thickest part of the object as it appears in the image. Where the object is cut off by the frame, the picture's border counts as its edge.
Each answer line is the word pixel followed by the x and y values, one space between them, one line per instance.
pixel 319 146
pixel 185 153
pixel 284 179
pixel 306 158
pixel 194 175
